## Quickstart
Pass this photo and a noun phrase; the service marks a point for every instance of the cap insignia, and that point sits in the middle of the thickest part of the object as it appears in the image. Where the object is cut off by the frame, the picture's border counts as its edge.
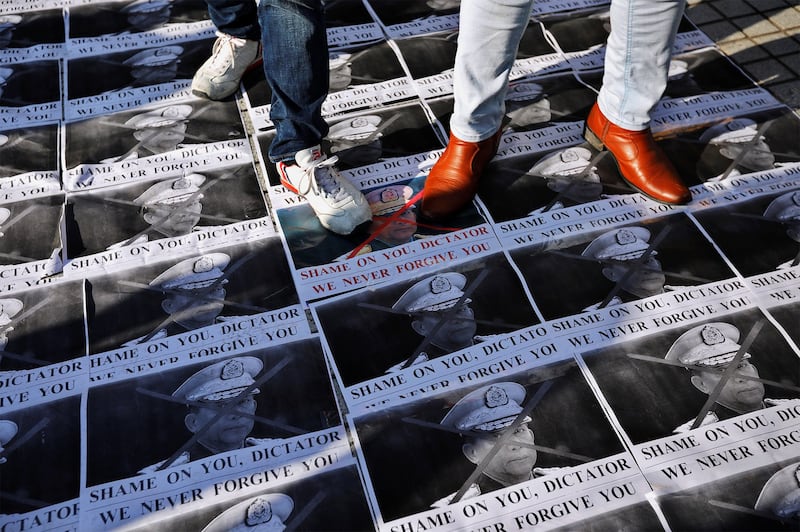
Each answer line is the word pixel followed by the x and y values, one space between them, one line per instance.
pixel 625 237
pixel 232 370
pixel 796 198
pixel 203 265
pixel 495 397
pixel 440 284
pixel 569 156
pixel 258 513
pixel 359 122
pixel 388 195
pixel 182 183
pixel 711 335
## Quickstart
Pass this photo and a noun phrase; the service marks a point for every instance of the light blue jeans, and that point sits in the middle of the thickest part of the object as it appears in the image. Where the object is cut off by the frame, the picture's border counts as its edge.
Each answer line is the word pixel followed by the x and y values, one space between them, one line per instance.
pixel 636 64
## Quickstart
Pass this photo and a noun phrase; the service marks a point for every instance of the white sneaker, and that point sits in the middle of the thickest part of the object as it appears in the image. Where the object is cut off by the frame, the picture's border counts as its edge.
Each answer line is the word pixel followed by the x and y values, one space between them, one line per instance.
pixel 339 205
pixel 220 75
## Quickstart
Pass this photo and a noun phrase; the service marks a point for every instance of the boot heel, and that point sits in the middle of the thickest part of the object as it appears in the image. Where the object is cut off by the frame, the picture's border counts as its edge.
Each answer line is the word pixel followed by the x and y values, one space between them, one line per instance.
pixel 593 139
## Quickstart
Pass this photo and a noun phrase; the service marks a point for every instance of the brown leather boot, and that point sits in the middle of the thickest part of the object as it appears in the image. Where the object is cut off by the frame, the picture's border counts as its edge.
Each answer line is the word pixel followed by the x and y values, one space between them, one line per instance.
pixel 453 180
pixel 641 162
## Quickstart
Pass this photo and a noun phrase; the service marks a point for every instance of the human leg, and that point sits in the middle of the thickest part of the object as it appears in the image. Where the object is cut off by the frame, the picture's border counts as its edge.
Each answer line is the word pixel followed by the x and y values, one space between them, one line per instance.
pixel 295 52
pixel 489 35
pixel 636 71
pixel 236 49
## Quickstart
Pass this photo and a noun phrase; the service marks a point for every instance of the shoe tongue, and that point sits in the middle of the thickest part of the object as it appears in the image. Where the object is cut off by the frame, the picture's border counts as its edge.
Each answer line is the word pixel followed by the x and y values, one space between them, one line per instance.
pixel 306 158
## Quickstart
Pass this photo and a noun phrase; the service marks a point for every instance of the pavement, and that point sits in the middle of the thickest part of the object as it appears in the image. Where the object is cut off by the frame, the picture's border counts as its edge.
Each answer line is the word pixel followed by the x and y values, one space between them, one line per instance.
pixel 761 36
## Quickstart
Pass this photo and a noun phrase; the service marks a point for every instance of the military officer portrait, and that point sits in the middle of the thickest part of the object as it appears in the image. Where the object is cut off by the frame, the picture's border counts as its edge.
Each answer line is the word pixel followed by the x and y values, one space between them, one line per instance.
pixel 8 429
pixel 563 178
pixel 701 71
pixel 416 321
pixel 421 454
pixel 30 149
pixel 618 266
pixel 781 494
pixel 227 385
pixel 132 16
pixel 400 229
pixel 760 499
pixel 713 346
pixel 269 511
pixel 670 375
pixel 757 235
pixel 29 83
pixel 738 147
pixel 37 445
pixel 343 13
pixel 29 229
pixel 125 215
pixel 349 66
pixel 159 300
pixel 109 73
pixel 311 245
pixel 373 138
pixel 23 30
pixel 191 412
pixel 141 133
pixel 34 320
pixel 390 13
pixel 357 141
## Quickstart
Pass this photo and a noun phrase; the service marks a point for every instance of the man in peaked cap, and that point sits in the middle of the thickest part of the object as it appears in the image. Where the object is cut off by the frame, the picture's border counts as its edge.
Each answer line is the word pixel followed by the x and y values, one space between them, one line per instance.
pixel 681 82
pixel 714 345
pixel 8 23
pixel 9 307
pixel 357 141
pixel 384 202
pixel 148 14
pixel 217 385
pixel 8 429
pixel 617 250
pixel 173 206
pixel 786 210
pixel 5 214
pixel 731 138
pixel 427 302
pixel 569 173
pixel 340 71
pixel 158 130
pixel 194 294
pixel 527 104
pixel 5 73
pixel 265 512
pixel 194 277
pixel 781 493
pixel 155 65
pixel 482 416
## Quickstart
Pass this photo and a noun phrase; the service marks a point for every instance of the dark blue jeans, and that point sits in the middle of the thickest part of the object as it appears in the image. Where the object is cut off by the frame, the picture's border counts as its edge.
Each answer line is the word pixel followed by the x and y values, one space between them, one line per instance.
pixel 295 45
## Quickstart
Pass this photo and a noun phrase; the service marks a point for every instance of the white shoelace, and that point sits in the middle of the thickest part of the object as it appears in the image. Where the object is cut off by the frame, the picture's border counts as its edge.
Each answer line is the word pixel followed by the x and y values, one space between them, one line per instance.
pixel 221 63
pixel 325 180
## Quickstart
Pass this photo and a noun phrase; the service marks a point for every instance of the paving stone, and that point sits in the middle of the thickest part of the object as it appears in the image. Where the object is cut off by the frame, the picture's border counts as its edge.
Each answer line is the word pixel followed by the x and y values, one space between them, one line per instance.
pixel 722 31
pixel 787 19
pixel 755 25
pixel 743 51
pixel 768 71
pixel 733 8
pixel 702 14
pixel 788 93
pixel 778 44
